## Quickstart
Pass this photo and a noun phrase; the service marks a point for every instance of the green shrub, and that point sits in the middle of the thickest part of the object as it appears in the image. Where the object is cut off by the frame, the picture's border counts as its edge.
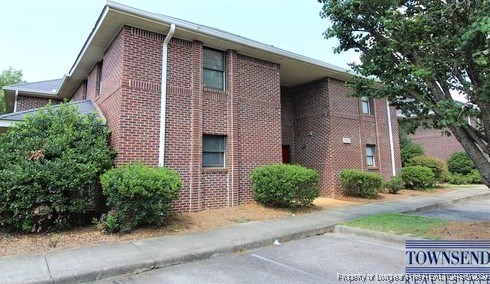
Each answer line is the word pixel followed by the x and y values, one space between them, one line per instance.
pixel 473 177
pixel 359 183
pixel 138 195
pixel 409 149
pixel 437 166
pixel 460 163
pixel 394 185
pixel 418 177
pixel 49 169
pixel 284 185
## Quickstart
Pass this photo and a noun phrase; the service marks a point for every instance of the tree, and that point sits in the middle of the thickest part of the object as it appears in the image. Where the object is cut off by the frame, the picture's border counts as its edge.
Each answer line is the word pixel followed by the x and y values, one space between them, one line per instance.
pixel 8 77
pixel 417 54
pixel 49 165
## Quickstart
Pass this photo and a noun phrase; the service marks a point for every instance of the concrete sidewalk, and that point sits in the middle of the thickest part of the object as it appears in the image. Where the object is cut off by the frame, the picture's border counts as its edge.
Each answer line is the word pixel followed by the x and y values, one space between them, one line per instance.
pixel 109 260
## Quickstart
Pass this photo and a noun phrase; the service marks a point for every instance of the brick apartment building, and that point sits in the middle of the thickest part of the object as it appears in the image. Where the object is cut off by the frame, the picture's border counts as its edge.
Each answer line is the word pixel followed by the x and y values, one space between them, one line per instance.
pixel 436 143
pixel 229 104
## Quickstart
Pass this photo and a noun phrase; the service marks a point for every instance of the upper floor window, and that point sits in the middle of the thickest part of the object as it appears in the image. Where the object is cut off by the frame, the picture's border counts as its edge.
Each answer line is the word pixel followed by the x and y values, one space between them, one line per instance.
pixel 213 151
pixel 214 69
pixel 366 106
pixel 370 160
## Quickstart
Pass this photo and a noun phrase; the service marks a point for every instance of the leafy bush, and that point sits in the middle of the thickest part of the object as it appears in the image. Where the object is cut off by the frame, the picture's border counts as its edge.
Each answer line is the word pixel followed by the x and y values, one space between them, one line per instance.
pixel 437 166
pixel 471 178
pixel 284 185
pixel 49 167
pixel 418 177
pixel 409 149
pixel 359 183
pixel 460 163
pixel 138 195
pixel 394 185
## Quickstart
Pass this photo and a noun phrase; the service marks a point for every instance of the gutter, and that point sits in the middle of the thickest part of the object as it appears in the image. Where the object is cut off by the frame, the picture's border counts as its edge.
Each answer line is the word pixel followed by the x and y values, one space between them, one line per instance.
pixel 163 102
pixel 390 133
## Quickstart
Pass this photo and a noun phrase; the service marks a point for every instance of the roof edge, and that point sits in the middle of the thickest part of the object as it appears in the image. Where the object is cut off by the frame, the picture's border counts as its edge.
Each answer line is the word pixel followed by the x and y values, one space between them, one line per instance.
pixel 225 36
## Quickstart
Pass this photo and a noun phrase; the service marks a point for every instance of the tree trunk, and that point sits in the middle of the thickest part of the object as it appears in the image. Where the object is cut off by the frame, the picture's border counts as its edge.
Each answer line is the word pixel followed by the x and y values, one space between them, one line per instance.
pixel 481 161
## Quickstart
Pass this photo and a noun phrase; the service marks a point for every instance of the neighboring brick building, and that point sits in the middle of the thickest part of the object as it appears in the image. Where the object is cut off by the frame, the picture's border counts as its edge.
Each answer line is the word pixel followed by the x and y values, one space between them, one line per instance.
pixel 436 143
pixel 230 104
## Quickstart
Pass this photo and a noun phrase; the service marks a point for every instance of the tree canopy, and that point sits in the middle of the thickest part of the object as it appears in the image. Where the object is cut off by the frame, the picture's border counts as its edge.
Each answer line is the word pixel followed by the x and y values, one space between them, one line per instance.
pixel 8 77
pixel 418 54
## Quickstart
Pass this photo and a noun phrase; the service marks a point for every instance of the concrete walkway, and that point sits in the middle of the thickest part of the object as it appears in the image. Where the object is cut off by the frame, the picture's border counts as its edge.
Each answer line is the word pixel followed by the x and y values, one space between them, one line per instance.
pixel 109 260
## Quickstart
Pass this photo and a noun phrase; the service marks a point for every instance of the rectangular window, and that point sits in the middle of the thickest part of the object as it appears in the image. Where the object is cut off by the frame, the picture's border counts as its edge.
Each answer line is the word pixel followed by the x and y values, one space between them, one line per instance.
pixel 213 151
pixel 214 69
pixel 366 105
pixel 370 151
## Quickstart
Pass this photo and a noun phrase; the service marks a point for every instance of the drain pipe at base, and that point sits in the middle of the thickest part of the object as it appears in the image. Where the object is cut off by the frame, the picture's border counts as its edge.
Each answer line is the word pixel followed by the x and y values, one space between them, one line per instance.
pixel 163 104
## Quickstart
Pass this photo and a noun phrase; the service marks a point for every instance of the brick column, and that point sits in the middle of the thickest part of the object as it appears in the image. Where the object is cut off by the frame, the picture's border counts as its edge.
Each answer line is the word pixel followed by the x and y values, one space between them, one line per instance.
pixel 196 128
pixel 232 129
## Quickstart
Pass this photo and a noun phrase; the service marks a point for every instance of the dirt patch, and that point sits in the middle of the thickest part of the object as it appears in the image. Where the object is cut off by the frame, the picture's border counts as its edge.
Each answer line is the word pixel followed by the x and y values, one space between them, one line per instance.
pixel 23 244
pixel 462 231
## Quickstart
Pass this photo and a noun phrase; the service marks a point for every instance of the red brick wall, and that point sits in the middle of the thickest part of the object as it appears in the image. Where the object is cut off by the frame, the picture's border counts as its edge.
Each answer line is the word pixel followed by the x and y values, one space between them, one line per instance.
pixel 315 119
pixel 287 119
pixel 92 83
pixel 311 128
pixel 259 118
pixel 435 143
pixel 27 103
pixel 109 100
pixel 80 93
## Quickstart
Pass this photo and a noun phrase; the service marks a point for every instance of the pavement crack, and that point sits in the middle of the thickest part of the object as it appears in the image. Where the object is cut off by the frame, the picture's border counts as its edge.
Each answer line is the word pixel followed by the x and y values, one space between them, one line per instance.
pixel 47 266
pixel 288 267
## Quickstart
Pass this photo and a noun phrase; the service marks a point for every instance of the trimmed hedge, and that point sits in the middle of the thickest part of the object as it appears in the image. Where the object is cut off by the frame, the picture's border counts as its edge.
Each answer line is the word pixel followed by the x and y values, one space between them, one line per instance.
pixel 460 163
pixel 361 184
pixel 285 185
pixel 471 178
pixel 437 166
pixel 49 168
pixel 138 195
pixel 418 177
pixel 394 185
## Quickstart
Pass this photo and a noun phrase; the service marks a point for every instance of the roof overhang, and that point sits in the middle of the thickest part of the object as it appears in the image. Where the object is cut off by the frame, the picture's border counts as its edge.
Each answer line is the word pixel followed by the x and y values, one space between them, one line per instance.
pixel 295 69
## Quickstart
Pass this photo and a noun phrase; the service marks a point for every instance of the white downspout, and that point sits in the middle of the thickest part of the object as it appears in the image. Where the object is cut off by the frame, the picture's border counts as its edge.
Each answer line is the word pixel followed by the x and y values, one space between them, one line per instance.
pixel 15 101
pixel 163 104
pixel 390 133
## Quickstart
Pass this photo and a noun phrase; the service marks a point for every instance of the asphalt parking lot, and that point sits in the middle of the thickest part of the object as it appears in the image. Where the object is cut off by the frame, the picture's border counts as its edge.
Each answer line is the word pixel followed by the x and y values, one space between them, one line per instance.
pixel 319 259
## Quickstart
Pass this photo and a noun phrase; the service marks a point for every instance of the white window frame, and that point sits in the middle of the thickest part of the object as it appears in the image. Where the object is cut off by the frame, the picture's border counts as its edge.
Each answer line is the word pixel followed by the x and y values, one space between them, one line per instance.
pixel 223 72
pixel 371 157
pixel 366 105
pixel 210 151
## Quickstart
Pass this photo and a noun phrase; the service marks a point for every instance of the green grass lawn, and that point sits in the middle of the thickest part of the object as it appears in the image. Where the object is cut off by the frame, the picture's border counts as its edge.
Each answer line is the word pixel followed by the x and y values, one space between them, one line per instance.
pixel 400 224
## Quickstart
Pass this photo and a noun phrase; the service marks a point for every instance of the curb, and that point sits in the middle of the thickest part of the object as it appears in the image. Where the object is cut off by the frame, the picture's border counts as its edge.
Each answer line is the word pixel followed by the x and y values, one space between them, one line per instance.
pixel 381 236
pixel 445 203
pixel 140 267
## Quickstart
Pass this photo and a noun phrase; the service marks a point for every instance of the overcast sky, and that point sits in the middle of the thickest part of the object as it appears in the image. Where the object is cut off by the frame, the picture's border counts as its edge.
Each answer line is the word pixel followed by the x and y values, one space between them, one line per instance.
pixel 44 37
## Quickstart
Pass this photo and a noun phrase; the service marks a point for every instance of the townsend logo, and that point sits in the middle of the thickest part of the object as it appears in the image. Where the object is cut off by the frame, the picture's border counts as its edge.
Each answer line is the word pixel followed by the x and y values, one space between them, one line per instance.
pixel 447 257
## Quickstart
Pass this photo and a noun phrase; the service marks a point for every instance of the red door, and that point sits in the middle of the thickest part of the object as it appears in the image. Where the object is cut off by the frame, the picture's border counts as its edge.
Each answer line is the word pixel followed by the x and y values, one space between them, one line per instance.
pixel 286 154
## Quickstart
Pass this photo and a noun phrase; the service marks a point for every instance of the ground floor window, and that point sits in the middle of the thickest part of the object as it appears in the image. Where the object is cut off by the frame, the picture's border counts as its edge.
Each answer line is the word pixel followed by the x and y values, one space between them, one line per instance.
pixel 213 151
pixel 370 150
